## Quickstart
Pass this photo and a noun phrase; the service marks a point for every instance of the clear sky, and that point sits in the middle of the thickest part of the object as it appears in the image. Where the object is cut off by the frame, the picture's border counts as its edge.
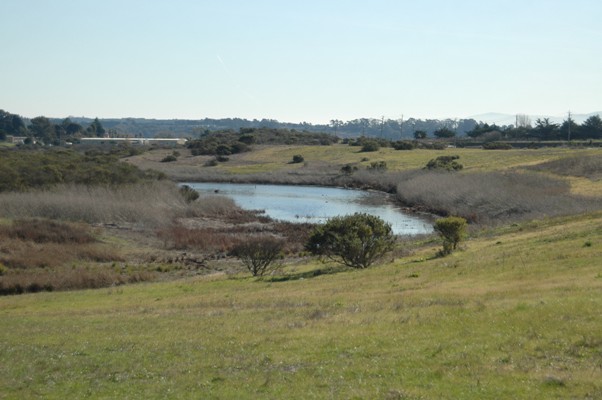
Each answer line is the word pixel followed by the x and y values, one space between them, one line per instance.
pixel 310 60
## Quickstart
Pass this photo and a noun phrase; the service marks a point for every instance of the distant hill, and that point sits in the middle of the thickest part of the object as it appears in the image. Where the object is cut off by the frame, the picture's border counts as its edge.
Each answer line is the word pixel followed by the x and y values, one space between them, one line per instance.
pixel 387 129
pixel 371 127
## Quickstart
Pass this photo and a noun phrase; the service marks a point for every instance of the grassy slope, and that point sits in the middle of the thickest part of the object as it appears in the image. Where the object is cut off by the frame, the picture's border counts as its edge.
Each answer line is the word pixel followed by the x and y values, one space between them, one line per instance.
pixel 320 160
pixel 516 314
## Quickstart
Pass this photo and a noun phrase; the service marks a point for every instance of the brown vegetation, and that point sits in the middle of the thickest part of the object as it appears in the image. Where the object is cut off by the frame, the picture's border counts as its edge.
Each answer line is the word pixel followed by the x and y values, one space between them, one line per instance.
pixel 491 197
pixel 588 166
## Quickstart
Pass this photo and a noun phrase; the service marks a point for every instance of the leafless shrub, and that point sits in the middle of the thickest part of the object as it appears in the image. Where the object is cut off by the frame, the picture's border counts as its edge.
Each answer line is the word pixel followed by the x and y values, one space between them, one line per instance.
pixel 258 254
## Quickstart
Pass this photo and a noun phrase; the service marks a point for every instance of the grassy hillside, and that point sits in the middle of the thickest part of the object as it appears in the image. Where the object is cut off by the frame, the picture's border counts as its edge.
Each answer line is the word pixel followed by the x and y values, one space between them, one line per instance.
pixel 323 163
pixel 515 314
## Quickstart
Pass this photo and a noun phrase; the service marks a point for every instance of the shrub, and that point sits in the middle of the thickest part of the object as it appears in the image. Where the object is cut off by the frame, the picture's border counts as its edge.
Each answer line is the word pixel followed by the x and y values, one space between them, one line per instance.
pixel 497 146
pixel 169 158
pixel 378 166
pixel 297 158
pixel 211 163
pixel 189 193
pixel 404 145
pixel 447 163
pixel 259 253
pixel 356 240
pixel 451 230
pixel 348 169
pixel 370 145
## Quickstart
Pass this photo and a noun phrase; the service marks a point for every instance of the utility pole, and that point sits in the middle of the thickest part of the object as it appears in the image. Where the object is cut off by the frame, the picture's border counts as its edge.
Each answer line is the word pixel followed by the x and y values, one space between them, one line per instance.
pixel 382 126
pixel 401 128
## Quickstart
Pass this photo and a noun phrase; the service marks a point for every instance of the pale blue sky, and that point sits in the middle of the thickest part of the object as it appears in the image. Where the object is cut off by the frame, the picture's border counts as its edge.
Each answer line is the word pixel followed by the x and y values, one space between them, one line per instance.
pixel 299 60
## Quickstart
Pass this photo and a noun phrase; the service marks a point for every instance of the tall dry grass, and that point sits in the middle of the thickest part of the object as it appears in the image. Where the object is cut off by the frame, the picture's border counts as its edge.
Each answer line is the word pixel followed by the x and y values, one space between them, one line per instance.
pixel 490 197
pixel 147 205
pixel 583 166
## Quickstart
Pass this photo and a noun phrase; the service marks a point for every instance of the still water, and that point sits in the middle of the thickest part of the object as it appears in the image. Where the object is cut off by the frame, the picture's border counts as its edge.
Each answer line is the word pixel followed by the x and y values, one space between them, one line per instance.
pixel 315 204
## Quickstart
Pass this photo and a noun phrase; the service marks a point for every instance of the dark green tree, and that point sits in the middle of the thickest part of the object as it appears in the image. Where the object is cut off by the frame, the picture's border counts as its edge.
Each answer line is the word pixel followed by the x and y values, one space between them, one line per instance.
pixel 592 128
pixel 11 124
pixel 356 240
pixel 419 134
pixel 443 133
pixel 570 130
pixel 546 130
pixel 96 128
pixel 71 128
pixel 43 130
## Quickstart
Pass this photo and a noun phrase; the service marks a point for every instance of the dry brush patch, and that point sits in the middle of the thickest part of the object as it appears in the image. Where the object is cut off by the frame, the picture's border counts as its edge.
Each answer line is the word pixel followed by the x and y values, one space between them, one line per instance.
pixel 588 166
pixel 492 197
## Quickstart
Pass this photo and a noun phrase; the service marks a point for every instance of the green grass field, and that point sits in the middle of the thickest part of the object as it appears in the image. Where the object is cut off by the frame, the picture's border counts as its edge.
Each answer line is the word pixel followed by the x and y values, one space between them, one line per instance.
pixel 515 314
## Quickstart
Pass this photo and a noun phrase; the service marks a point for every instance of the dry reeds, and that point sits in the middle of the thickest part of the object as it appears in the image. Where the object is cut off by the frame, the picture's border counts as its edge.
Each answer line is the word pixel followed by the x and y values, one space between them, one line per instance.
pixel 492 196
pixel 147 205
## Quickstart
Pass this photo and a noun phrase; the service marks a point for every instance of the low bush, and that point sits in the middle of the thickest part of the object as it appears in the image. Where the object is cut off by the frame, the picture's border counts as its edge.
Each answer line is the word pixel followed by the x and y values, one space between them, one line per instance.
pixel 370 146
pixel 169 158
pixel 348 169
pixel 404 145
pixel 189 194
pixel 446 163
pixel 497 146
pixel 297 159
pixel 356 240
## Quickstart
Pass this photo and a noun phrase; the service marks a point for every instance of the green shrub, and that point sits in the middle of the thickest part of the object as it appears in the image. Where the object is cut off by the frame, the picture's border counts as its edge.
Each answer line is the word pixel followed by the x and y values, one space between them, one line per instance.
pixel 370 145
pixel 452 231
pixel 298 158
pixel 404 145
pixel 447 163
pixel 356 240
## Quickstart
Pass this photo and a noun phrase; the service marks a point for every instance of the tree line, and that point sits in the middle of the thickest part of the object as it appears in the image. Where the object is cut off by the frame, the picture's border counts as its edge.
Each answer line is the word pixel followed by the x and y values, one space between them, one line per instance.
pixel 543 129
pixel 47 131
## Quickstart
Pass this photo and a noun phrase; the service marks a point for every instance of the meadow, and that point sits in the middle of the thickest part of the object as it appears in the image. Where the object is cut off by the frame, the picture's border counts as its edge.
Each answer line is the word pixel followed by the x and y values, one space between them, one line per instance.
pixel 515 313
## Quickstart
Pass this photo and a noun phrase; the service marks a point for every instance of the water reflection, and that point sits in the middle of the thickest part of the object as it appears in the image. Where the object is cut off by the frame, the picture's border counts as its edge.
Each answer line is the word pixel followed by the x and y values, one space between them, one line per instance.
pixel 316 204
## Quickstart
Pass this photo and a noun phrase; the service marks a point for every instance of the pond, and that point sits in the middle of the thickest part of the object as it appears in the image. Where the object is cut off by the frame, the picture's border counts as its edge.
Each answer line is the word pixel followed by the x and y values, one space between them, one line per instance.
pixel 315 204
